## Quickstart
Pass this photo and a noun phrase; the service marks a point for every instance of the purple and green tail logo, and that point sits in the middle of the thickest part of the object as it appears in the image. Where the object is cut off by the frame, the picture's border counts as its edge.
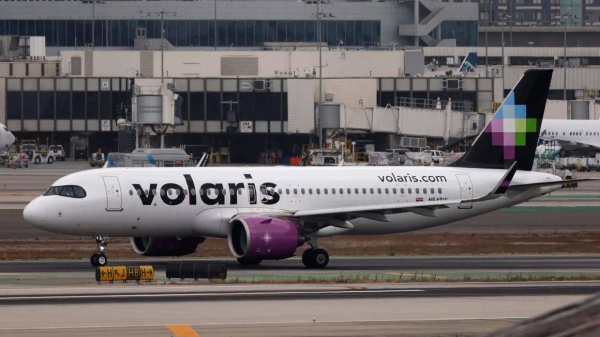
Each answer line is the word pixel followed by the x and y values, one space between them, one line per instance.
pixel 510 125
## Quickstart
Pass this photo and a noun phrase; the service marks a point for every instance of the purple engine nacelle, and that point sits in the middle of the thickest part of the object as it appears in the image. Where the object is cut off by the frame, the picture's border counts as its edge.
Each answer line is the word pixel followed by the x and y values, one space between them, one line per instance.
pixel 165 246
pixel 263 238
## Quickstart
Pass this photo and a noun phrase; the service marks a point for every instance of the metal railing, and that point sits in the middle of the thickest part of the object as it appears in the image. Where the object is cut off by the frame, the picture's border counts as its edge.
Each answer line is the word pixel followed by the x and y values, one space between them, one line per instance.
pixel 424 103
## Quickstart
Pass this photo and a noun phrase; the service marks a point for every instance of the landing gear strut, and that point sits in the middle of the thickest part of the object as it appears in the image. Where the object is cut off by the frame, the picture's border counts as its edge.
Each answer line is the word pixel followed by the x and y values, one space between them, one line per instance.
pixel 315 257
pixel 99 259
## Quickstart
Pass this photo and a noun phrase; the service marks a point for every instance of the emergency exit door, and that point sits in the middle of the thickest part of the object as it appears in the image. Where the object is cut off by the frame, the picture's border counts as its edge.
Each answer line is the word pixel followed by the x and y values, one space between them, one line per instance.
pixel 466 191
pixel 113 194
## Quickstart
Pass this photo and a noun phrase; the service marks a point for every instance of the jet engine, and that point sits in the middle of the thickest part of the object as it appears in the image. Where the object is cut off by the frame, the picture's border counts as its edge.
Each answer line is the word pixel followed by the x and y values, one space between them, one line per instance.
pixel 165 246
pixel 263 238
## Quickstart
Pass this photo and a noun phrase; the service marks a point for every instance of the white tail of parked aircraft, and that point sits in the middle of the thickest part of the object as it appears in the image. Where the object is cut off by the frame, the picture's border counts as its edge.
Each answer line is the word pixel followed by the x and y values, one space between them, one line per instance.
pixel 265 213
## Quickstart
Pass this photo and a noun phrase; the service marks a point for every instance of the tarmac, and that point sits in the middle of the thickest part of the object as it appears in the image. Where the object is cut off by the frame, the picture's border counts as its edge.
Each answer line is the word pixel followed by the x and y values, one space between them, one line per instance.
pixel 278 310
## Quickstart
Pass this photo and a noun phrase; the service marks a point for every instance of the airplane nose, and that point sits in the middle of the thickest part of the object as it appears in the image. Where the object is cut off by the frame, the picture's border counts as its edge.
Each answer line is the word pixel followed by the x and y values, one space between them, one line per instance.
pixel 35 213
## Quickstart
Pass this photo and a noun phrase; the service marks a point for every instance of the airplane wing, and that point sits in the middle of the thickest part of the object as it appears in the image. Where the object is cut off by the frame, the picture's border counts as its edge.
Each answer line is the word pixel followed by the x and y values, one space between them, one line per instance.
pixel 565 143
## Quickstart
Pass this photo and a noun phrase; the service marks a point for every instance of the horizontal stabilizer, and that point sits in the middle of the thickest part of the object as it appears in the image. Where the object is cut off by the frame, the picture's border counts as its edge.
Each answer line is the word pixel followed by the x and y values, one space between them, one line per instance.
pixel 551 183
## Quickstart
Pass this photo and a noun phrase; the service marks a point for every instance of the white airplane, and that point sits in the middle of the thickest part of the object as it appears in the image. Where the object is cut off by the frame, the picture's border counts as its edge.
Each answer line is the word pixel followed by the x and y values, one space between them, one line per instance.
pixel 6 138
pixel 575 137
pixel 267 212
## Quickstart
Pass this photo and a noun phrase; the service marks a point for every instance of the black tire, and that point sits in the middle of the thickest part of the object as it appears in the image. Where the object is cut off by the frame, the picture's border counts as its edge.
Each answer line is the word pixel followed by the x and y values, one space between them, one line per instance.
pixel 37 160
pixel 50 160
pixel 306 258
pixel 101 260
pixel 94 260
pixel 249 262
pixel 319 259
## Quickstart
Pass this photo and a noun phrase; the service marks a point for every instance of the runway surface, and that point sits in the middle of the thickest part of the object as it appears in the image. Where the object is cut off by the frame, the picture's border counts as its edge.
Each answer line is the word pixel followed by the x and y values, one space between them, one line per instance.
pixel 279 310
pixel 509 263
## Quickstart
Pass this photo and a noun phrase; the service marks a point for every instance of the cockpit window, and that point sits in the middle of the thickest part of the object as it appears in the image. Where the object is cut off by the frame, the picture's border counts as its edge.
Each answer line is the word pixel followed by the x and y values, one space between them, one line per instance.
pixel 66 191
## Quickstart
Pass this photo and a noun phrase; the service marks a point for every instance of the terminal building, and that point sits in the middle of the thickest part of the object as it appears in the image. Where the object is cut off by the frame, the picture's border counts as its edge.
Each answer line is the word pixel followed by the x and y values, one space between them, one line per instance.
pixel 390 72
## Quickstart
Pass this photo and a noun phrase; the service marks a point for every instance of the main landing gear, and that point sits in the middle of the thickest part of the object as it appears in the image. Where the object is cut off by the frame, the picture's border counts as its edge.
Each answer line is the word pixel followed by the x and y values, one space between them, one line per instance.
pixel 315 257
pixel 99 259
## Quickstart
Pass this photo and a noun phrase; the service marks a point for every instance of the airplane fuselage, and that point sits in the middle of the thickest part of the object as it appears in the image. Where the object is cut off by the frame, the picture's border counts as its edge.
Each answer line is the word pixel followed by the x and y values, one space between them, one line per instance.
pixel 132 202
pixel 573 135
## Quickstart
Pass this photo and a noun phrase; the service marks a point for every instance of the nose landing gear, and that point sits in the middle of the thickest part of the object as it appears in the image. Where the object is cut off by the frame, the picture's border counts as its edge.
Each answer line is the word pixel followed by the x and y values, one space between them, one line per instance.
pixel 99 259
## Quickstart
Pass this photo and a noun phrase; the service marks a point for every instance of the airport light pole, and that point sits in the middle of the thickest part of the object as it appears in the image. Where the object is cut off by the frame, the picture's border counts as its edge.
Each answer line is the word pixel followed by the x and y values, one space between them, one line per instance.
pixel 162 14
pixel 487 27
pixel 565 16
pixel 319 15
pixel 503 18
pixel 94 2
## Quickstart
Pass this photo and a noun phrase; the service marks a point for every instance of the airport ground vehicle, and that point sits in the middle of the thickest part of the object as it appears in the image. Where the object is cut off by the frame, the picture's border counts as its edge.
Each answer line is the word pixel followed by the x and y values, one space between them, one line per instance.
pixel 57 152
pixel 98 160
pixel 35 155
pixel 150 158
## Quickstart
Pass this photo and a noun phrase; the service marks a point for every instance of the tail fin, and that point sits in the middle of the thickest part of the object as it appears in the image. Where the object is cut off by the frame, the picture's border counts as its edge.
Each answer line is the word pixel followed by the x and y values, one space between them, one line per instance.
pixel 513 132
pixel 469 63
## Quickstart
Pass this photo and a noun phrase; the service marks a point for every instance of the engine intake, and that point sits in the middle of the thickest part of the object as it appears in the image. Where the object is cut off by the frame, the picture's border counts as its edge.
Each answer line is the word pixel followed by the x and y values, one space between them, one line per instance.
pixel 263 238
pixel 165 246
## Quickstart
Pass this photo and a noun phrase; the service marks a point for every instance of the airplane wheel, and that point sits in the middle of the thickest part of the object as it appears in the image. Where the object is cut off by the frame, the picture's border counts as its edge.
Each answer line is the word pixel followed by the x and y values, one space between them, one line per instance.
pixel 318 259
pixel 306 258
pixel 101 260
pixel 249 262
pixel 93 260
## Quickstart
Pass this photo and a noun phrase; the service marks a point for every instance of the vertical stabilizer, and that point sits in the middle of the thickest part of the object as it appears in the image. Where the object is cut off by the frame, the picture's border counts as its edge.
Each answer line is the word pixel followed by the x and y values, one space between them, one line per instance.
pixel 512 134
pixel 469 63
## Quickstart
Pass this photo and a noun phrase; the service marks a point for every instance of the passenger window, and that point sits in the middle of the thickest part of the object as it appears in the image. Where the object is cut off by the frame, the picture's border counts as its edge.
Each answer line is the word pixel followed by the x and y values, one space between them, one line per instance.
pixel 153 192
pixel 302 191
pixel 162 192
pixel 325 191
pixel 193 192
pixel 208 191
pixel 201 192
pixel 318 191
pixel 341 191
pixel 356 191
pixel 387 191
pixel 417 190
pixel 263 190
pixel 364 191
pixel 333 191
pixel 372 191
pixel 231 192
pixel 139 192
pixel 67 191
pixel 432 190
pixel 379 190
pixel 439 190
pixel 401 191
pixel 349 190
pixel 295 191
pixel 80 193
pixel 240 191
pixel 424 191
pixel 185 192
pixel 287 191
pixel 410 191
pixel 130 192
pixel 310 191
pixel 394 190
pixel 280 191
